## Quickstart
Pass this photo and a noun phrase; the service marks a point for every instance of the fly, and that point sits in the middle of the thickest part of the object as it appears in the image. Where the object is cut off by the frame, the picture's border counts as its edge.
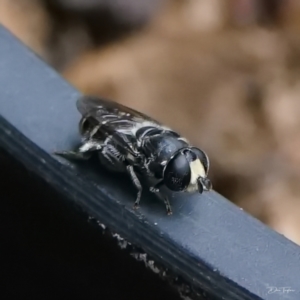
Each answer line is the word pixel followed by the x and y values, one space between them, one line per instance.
pixel 131 142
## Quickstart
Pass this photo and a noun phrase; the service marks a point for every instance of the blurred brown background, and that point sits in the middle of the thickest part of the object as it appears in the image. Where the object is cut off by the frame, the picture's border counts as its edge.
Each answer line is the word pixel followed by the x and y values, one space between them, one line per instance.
pixel 226 74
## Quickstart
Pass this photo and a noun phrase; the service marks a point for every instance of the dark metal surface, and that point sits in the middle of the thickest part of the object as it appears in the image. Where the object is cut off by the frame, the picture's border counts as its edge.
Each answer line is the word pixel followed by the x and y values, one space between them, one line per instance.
pixel 48 249
pixel 208 241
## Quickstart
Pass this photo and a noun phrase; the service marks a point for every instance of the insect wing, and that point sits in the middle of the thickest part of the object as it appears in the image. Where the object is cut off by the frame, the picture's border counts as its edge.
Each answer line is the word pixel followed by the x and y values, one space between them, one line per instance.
pixel 103 109
pixel 115 120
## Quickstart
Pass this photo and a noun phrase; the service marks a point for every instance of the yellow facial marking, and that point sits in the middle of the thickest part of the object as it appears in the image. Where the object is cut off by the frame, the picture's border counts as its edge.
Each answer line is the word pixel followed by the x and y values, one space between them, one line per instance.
pixel 197 170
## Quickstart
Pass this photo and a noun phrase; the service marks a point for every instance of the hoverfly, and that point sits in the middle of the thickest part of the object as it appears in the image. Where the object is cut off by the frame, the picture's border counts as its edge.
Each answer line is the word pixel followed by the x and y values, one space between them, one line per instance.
pixel 131 142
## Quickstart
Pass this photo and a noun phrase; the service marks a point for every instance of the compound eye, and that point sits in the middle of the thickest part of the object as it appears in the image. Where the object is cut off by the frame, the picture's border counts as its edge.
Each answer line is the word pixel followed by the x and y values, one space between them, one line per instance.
pixel 177 174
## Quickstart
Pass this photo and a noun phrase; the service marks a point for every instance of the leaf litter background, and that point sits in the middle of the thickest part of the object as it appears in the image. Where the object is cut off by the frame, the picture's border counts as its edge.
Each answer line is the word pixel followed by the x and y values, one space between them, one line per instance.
pixel 226 74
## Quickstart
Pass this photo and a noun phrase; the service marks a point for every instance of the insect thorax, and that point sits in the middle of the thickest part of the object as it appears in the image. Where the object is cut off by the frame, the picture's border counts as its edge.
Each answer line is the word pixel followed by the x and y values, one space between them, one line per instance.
pixel 159 148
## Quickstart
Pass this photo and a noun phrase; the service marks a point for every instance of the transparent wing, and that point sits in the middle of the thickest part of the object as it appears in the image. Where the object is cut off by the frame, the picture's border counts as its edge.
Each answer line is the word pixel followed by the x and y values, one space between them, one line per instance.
pixel 107 111
pixel 116 121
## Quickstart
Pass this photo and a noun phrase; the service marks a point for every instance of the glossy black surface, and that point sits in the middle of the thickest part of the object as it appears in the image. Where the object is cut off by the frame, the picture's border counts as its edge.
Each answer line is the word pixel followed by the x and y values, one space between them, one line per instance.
pixel 208 241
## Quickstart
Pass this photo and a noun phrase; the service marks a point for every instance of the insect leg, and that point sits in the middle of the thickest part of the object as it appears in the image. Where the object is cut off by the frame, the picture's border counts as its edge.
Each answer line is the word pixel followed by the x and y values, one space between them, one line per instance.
pixel 168 205
pixel 84 152
pixel 74 155
pixel 155 189
pixel 137 184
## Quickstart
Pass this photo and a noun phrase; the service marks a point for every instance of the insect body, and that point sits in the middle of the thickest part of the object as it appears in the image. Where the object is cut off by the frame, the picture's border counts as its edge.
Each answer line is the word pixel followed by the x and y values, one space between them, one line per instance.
pixel 129 141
